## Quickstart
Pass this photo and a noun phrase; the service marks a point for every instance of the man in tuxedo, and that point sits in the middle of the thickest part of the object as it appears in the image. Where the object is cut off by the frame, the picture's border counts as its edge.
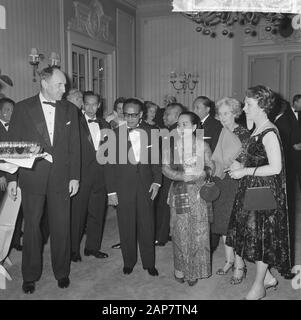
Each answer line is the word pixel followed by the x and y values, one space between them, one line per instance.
pixel 132 186
pixel 287 125
pixel 162 210
pixel 205 109
pixel 53 124
pixel 297 136
pixel 6 110
pixel 89 205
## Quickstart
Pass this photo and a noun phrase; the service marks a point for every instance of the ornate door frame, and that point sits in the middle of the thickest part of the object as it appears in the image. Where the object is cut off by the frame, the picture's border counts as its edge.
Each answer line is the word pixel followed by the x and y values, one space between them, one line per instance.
pixel 90 29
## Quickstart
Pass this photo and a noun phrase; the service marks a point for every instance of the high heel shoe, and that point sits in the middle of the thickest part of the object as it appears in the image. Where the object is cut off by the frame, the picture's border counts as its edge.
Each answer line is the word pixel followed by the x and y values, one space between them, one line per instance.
pixel 223 271
pixel 180 280
pixel 192 282
pixel 236 280
pixel 272 284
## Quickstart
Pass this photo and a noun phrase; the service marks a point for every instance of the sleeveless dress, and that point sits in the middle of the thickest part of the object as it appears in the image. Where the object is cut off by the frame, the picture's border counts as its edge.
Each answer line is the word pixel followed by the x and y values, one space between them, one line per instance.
pixel 261 235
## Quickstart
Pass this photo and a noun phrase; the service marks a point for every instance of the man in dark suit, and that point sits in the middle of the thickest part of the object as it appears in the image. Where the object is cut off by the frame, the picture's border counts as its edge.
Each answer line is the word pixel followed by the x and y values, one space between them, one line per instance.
pixel 132 186
pixel 205 109
pixel 162 210
pixel 287 125
pixel 89 205
pixel 297 136
pixel 6 110
pixel 54 125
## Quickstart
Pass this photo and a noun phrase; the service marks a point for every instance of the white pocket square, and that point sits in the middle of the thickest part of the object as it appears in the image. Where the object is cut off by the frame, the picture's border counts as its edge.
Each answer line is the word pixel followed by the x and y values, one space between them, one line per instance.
pixel 67 124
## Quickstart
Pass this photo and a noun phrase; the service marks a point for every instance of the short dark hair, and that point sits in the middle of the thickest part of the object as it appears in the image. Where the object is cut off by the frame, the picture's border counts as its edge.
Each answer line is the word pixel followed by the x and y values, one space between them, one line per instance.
pixel 296 97
pixel 264 95
pixel 91 94
pixel 174 105
pixel 48 72
pixel 194 118
pixel 133 101
pixel 117 101
pixel 207 103
pixel 6 100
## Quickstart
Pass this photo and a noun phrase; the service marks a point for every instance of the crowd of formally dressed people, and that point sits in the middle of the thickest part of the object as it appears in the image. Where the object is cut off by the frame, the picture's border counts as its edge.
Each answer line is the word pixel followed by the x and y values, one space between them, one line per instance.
pixel 65 195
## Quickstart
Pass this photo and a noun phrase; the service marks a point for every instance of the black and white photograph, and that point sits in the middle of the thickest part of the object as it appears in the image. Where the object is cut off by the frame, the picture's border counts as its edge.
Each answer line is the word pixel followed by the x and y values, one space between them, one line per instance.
pixel 150 153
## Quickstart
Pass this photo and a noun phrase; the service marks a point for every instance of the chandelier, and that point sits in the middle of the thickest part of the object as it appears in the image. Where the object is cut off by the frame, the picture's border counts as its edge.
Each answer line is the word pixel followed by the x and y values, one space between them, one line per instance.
pixel 276 23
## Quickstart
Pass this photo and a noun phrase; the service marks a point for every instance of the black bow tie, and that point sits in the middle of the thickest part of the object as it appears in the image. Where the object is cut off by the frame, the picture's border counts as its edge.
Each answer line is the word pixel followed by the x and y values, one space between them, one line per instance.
pixel 53 104
pixel 91 120
pixel 6 124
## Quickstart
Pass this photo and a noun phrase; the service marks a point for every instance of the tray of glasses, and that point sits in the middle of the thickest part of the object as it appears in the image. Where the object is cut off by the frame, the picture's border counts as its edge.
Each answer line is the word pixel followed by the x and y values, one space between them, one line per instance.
pixel 18 150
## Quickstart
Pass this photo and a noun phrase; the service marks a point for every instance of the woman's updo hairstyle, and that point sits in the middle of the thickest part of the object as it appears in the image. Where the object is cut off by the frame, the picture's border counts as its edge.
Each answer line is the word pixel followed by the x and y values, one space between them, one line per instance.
pixel 264 96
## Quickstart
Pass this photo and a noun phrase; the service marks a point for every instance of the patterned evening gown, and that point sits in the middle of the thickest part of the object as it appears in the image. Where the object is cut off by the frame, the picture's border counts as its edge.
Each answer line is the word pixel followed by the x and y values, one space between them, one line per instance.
pixel 261 235
pixel 190 231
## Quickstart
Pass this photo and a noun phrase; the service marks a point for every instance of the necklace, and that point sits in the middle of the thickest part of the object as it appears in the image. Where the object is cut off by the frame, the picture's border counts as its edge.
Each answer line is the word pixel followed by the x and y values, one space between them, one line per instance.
pixel 256 131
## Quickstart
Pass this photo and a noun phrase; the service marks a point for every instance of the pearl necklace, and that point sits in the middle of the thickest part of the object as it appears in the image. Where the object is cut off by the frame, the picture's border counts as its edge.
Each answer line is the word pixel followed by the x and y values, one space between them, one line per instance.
pixel 256 131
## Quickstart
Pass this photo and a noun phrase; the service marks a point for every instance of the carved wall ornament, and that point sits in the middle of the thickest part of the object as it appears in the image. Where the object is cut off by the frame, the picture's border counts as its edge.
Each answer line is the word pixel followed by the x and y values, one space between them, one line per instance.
pixel 91 20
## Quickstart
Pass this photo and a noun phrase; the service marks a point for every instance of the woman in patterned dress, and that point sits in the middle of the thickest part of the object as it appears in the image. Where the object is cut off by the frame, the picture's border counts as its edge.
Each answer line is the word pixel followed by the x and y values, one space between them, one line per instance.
pixel 260 236
pixel 189 218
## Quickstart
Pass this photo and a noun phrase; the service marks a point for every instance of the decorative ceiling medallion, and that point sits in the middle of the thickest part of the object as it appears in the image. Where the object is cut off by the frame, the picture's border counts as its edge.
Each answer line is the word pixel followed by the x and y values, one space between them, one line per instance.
pixel 91 20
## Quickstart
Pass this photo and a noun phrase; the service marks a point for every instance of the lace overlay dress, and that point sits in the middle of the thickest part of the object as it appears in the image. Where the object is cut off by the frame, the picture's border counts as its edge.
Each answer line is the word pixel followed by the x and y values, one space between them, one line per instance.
pixel 261 235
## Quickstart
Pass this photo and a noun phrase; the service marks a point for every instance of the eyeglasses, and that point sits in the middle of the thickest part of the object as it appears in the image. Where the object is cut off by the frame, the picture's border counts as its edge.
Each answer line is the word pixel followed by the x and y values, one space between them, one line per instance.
pixel 131 115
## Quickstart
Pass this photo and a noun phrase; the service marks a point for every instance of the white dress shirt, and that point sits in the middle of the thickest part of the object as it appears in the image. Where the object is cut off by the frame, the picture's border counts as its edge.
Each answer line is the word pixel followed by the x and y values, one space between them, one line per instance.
pixel 3 122
pixel 49 114
pixel 134 136
pixel 94 131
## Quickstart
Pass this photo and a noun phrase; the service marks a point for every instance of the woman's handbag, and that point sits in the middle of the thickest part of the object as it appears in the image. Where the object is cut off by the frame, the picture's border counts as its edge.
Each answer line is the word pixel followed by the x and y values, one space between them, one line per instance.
pixel 209 191
pixel 259 198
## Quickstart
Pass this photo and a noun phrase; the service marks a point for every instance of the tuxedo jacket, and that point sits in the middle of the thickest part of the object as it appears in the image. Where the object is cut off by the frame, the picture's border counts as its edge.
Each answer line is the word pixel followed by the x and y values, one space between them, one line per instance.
pixel 3 138
pixel 212 129
pixel 28 124
pixel 125 179
pixel 88 153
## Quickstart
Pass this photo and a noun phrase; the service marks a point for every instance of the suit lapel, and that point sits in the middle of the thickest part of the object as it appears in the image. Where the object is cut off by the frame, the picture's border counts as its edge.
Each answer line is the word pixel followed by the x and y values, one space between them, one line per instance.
pixel 86 129
pixel 37 115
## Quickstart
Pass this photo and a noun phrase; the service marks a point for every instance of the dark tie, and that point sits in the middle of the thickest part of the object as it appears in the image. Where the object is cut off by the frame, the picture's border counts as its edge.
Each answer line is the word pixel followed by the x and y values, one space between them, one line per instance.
pixel 6 124
pixel 91 120
pixel 53 104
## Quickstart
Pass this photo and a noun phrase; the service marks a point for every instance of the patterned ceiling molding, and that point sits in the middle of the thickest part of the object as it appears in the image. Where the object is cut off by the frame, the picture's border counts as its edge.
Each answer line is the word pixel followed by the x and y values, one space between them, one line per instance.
pixel 91 20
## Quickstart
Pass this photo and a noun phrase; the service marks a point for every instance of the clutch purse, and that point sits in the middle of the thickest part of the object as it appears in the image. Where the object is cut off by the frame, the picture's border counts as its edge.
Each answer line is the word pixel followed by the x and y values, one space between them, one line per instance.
pixel 259 198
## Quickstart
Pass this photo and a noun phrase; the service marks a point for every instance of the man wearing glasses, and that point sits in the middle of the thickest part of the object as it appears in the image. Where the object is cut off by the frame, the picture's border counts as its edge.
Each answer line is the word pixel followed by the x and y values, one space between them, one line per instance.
pixel 132 187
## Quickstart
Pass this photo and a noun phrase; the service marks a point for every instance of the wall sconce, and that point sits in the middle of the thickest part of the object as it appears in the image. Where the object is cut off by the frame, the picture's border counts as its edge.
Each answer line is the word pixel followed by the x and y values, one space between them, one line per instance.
pixel 186 81
pixel 35 58
pixel 54 59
